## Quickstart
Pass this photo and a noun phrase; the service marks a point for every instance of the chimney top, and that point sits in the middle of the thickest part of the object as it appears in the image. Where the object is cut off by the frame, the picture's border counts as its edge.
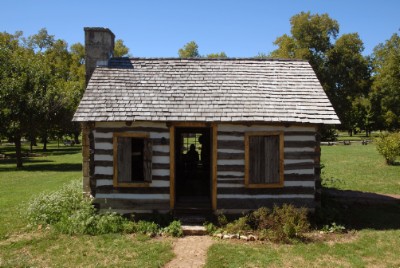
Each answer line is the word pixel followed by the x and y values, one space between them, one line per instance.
pixel 99 29
pixel 99 48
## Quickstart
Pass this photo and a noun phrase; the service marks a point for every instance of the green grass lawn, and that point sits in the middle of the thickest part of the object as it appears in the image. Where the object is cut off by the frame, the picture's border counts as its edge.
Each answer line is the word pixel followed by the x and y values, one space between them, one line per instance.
pixel 22 248
pixel 375 241
pixel 47 173
pixel 360 168
pixel 49 249
pixel 366 248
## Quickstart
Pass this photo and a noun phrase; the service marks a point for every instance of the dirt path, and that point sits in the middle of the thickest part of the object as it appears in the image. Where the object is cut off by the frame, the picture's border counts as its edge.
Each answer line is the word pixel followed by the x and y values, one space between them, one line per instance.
pixel 190 251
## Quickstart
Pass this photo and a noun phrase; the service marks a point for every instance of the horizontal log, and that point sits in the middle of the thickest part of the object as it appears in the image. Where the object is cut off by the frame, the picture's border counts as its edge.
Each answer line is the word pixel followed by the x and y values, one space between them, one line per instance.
pixel 105 203
pixel 299 133
pixel 253 204
pixel 160 178
pixel 155 141
pixel 158 153
pixel 110 152
pixel 103 152
pixel 288 155
pixel 102 177
pixel 110 177
pixel 299 144
pixel 160 166
pixel 110 164
pixel 228 144
pixel 230 168
pixel 231 133
pixel 294 166
pixel 230 156
pixel 234 181
pixel 239 145
pixel 133 129
pixel 287 133
pixel 108 189
pixel 272 191
pixel 103 163
pixel 230 176
pixel 299 155
pixel 299 177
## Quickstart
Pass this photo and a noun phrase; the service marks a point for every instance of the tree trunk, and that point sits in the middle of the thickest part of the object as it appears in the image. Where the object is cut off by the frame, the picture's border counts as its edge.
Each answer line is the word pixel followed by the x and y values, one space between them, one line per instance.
pixel 76 137
pixel 44 143
pixel 17 142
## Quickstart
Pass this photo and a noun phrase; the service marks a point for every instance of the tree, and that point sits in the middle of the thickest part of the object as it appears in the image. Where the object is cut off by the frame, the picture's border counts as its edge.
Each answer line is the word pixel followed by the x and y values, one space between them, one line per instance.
pixel 190 50
pixel 120 50
pixel 340 66
pixel 18 69
pixel 385 95
pixel 220 55
pixel 347 79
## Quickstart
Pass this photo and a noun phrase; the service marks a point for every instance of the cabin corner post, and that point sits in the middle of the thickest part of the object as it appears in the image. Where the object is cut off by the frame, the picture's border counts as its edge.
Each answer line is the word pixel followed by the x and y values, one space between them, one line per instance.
pixel 317 169
pixel 172 167
pixel 87 169
pixel 214 166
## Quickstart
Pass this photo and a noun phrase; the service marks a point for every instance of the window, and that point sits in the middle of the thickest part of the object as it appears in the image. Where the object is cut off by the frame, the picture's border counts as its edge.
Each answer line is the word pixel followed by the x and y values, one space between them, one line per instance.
pixel 264 159
pixel 132 159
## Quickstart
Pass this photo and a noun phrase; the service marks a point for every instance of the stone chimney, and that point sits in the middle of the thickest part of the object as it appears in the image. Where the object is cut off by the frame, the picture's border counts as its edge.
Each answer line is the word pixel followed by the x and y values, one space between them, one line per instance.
pixel 99 48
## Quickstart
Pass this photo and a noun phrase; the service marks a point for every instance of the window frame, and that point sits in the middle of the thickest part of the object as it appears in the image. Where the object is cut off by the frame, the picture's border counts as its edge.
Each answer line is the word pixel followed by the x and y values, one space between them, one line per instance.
pixel 116 135
pixel 247 181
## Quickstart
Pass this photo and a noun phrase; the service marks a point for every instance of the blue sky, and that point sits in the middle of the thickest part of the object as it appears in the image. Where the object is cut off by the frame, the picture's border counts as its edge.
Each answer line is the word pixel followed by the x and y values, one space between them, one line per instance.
pixel 159 28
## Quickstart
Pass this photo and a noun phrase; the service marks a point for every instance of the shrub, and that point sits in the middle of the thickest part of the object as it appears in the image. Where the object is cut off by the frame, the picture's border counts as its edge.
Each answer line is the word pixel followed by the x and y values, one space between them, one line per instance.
pixel 289 222
pixel 222 220
pixel 70 212
pixel 51 208
pixel 281 224
pixel 388 145
pixel 333 228
pixel 238 226
pixel 210 228
pixel 146 227
pixel 174 229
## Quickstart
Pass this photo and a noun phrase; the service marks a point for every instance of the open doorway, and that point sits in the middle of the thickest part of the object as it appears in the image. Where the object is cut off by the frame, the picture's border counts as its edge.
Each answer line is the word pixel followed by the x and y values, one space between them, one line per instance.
pixel 193 167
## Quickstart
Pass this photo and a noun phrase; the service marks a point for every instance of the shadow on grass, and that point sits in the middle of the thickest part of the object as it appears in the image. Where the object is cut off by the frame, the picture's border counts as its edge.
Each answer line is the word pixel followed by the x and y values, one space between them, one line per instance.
pixel 32 164
pixel 9 150
pixel 358 210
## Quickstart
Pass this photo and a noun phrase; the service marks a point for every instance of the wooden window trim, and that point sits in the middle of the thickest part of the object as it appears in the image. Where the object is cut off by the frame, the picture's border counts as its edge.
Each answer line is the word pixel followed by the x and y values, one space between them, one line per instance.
pixel 116 135
pixel 247 159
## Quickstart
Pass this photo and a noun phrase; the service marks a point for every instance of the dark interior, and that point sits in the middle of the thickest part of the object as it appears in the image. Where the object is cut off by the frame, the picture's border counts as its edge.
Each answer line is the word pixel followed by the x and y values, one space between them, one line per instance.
pixel 193 167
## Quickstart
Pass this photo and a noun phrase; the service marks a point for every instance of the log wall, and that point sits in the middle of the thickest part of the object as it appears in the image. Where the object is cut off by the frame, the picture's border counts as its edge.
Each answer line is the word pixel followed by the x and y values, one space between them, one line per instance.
pixel 301 163
pixel 128 199
pixel 300 155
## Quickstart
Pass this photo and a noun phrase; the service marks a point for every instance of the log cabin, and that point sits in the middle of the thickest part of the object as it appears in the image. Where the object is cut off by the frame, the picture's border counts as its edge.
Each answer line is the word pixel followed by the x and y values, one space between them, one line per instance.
pixel 225 135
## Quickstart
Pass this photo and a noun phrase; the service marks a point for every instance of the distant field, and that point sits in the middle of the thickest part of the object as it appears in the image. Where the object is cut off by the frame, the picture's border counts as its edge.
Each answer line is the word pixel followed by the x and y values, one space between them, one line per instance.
pixel 358 167
pixel 22 248
pixel 46 173
pixel 355 167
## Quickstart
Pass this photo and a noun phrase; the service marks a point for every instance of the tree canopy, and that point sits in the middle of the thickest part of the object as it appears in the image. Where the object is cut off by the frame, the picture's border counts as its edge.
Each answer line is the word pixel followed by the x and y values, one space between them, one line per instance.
pixel 191 50
pixel 385 95
pixel 338 62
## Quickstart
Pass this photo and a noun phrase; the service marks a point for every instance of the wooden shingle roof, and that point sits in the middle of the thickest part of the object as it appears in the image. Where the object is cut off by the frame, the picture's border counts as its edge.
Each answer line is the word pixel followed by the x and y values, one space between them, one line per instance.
pixel 206 90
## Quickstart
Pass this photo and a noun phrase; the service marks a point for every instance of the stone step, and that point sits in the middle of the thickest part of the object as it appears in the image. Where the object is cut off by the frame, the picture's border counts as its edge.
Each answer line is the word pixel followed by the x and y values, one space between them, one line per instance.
pixel 194 230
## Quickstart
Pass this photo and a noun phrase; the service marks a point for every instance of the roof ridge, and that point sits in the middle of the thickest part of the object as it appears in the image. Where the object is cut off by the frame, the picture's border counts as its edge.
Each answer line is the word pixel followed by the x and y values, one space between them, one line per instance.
pixel 209 59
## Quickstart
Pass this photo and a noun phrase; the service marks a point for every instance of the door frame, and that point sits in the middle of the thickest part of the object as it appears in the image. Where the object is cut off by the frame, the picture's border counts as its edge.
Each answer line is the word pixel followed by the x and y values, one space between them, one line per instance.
pixel 172 192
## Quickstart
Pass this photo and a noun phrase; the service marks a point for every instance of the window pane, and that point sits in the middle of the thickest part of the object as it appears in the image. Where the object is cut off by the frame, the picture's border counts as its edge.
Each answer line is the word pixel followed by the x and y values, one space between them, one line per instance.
pixel 137 159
